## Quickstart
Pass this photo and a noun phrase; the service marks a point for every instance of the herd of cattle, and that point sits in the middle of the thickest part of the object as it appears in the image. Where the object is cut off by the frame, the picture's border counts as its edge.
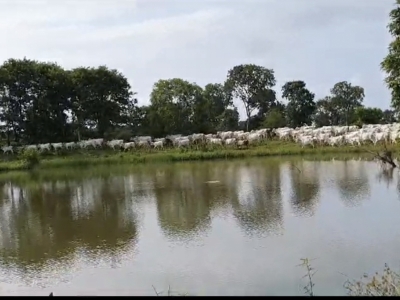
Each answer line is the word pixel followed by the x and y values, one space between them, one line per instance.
pixel 305 136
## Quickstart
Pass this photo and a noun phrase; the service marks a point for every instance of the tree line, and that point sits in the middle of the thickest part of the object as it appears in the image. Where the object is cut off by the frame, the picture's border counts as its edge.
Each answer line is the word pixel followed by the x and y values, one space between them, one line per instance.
pixel 41 102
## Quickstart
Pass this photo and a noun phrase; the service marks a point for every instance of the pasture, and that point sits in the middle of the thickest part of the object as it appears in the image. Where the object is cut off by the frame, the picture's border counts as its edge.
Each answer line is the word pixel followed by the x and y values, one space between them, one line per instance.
pixel 306 140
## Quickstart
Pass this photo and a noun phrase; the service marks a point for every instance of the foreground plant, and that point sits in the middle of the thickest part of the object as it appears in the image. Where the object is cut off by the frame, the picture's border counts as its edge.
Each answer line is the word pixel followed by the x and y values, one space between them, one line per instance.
pixel 169 292
pixel 387 284
pixel 31 158
pixel 309 275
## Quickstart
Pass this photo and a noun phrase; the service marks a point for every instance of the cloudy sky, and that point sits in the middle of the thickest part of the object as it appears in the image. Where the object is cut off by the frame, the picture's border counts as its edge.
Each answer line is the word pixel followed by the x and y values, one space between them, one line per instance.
pixel 318 41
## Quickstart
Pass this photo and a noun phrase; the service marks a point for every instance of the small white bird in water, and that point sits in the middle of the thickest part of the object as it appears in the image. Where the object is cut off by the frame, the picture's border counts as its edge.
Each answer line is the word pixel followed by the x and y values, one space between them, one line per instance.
pixel 212 181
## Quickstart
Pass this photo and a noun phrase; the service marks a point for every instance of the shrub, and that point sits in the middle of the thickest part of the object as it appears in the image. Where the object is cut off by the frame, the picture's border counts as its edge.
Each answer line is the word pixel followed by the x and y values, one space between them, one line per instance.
pixel 31 157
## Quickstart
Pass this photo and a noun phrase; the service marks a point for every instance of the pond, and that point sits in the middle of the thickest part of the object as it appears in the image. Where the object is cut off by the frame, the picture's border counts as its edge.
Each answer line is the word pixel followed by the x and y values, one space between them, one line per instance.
pixel 205 228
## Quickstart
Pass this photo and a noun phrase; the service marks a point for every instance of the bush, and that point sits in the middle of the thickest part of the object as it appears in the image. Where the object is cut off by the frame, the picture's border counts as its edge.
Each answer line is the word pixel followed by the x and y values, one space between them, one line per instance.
pixel 31 157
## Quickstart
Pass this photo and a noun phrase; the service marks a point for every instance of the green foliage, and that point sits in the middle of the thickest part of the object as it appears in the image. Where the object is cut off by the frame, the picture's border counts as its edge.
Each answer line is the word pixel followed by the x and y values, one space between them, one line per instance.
pixel 339 108
pixel 275 118
pixel 389 116
pixel 327 112
pixel 391 63
pixel 40 102
pixel 368 115
pixel 30 157
pixel 253 85
pixel 347 98
pixel 301 104
pixel 35 98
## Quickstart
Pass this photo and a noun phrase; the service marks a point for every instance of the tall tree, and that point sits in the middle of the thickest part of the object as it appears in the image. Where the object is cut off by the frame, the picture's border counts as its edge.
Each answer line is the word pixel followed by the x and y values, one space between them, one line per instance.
pixel 102 98
pixel 327 112
pixel 173 101
pixel 301 105
pixel 34 99
pixel 46 118
pixel 348 98
pixel 16 93
pixel 267 103
pixel 391 63
pixel 251 83
pixel 217 100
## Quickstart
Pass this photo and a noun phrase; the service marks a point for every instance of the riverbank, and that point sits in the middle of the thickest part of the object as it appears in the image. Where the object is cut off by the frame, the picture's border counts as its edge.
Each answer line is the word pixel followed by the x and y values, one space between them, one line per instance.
pixel 100 157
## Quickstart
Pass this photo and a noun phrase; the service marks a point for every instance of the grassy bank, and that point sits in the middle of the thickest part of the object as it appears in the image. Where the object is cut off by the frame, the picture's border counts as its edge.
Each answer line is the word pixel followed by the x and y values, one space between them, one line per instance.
pixel 103 157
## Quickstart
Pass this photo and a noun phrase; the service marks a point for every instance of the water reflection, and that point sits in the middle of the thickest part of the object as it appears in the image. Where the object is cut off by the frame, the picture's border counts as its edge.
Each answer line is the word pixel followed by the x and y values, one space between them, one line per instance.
pixel 54 221
pixel 386 175
pixel 257 201
pixel 352 182
pixel 51 221
pixel 305 187
pixel 186 198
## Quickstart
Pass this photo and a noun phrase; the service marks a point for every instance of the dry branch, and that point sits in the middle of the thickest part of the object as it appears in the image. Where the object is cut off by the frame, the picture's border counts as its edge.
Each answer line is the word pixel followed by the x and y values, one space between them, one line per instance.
pixel 386 156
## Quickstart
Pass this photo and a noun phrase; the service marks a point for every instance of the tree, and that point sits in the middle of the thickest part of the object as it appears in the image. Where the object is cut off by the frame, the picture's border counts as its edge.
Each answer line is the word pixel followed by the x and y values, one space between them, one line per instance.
pixel 251 83
pixel 267 102
pixel 389 116
pixel 173 101
pixel 216 101
pixel 40 102
pixel 368 115
pixel 102 98
pixel 347 98
pixel 13 96
pixel 46 118
pixel 391 63
pixel 275 118
pixel 327 112
pixel 34 98
pixel 301 105
pixel 228 120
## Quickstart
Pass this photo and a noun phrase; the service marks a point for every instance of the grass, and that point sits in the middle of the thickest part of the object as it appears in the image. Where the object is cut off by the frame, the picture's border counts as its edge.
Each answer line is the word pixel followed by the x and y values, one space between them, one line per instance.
pixel 106 157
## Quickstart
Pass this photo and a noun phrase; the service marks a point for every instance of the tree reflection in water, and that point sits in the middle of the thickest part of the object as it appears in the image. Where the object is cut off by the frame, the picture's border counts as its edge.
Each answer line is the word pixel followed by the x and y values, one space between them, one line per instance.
pixel 51 223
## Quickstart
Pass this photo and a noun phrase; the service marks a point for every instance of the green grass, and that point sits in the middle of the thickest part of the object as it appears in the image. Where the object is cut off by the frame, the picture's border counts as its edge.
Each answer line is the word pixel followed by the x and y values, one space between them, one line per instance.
pixel 106 157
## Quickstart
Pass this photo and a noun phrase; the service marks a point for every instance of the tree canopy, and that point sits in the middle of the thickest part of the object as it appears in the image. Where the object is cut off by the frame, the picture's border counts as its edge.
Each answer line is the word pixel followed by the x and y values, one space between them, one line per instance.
pixel 41 102
pixel 391 63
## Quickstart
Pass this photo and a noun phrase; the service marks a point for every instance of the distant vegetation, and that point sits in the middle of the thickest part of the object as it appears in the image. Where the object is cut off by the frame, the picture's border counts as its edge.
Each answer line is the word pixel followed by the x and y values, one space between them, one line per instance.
pixel 43 103
pixel 40 102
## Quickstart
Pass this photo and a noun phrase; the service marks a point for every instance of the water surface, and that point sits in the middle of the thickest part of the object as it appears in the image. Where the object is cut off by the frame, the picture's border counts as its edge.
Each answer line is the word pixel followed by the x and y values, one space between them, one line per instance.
pixel 206 228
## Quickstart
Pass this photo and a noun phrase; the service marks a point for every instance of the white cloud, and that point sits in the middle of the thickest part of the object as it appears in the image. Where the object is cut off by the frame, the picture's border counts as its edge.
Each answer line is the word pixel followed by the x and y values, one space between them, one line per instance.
pixel 318 41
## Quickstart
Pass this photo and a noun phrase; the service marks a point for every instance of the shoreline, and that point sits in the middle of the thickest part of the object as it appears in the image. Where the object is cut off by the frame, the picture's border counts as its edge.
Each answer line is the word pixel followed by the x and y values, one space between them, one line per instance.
pixel 104 157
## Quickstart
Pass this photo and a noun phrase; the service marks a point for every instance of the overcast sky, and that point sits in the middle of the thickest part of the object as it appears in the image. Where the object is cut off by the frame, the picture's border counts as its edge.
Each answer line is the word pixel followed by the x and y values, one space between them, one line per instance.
pixel 318 41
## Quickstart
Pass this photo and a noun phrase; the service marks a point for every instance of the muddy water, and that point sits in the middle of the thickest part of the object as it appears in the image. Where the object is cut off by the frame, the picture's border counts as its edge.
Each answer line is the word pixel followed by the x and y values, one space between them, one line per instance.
pixel 209 228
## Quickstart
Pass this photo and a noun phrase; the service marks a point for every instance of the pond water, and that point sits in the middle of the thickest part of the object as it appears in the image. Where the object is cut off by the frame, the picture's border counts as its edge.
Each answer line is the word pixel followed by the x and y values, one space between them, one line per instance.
pixel 205 228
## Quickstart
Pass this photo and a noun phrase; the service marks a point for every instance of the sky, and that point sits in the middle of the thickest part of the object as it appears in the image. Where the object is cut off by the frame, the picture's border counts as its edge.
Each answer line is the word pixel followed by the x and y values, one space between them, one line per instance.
pixel 320 42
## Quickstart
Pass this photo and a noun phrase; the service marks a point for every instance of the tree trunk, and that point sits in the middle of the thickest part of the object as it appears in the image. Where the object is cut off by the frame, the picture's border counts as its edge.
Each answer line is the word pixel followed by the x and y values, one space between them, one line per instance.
pixel 248 117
